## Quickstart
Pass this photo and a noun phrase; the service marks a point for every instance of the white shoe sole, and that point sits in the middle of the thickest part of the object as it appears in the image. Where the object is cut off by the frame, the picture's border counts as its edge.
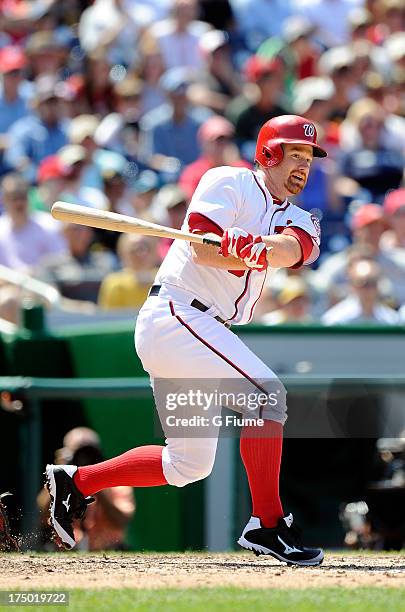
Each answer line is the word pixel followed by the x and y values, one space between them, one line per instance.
pixel 65 540
pixel 262 550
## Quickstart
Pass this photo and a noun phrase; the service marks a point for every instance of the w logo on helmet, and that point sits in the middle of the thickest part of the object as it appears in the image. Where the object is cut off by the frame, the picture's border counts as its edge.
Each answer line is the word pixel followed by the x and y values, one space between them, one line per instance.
pixel 309 130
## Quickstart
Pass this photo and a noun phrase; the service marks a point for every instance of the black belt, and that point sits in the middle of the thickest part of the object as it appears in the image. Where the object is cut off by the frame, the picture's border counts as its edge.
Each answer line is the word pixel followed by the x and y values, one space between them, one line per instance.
pixel 155 290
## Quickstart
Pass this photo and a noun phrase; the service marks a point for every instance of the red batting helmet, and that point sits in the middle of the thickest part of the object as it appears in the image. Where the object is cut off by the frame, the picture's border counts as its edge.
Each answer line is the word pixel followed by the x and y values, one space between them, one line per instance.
pixel 282 130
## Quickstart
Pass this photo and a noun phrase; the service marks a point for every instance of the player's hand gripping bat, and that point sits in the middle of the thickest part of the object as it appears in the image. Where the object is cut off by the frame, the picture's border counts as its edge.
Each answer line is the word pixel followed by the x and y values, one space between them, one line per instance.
pixel 104 219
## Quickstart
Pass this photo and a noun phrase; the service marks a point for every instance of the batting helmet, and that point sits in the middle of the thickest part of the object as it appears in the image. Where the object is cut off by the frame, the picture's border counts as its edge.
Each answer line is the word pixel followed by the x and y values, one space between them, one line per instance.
pixel 286 129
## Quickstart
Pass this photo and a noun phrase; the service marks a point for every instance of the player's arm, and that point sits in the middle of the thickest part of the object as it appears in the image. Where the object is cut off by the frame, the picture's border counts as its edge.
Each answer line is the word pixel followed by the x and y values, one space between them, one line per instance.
pixel 285 251
pixel 206 255
pixel 258 252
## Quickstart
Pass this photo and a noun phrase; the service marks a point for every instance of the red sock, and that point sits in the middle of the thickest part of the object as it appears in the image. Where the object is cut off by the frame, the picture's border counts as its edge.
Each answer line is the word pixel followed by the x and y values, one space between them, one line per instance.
pixel 260 449
pixel 138 467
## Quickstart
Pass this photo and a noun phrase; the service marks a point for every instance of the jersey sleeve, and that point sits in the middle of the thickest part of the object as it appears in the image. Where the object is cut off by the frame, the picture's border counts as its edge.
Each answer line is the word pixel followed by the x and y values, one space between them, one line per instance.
pixel 308 233
pixel 217 199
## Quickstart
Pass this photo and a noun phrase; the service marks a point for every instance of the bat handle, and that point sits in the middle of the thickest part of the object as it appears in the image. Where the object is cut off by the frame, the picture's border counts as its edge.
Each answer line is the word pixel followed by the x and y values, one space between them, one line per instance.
pixel 212 241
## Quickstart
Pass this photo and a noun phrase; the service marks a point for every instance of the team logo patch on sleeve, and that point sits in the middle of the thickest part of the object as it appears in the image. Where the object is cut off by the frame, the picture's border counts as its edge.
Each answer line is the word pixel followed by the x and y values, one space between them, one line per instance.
pixel 317 224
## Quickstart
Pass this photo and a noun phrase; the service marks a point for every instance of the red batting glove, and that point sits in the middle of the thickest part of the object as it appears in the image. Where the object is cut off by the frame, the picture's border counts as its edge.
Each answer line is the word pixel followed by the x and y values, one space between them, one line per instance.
pixel 233 241
pixel 254 254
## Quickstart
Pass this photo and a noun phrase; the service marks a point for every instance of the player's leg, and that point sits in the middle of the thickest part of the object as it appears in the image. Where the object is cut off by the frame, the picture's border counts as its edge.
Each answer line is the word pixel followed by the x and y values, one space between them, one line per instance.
pixel 180 462
pixel 223 355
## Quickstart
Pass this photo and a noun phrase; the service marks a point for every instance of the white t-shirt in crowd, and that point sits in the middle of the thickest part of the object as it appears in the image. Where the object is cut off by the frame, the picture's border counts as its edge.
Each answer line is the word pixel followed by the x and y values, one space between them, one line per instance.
pixel 349 311
pixel 22 248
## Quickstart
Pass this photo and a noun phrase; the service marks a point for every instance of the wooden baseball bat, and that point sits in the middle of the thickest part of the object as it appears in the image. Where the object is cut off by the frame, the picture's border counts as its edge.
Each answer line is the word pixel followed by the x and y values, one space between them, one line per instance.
pixel 104 219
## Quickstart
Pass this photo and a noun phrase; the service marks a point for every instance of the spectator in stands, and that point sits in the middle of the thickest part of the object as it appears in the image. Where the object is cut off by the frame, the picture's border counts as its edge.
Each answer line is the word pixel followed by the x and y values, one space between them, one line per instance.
pixel 394 208
pixel 51 178
pixel 219 82
pixel 73 98
pixel 74 159
pixel 374 166
pixel 79 271
pixel 114 26
pixel 46 54
pixel 294 304
pixel 300 53
pixel 260 19
pixel 113 168
pixel 129 287
pixel 177 37
pixel 150 70
pixel 104 525
pixel 144 189
pixel 169 133
pixel 33 138
pixel 98 87
pixel 248 116
pixel 337 64
pixel 25 238
pixel 330 17
pixel 215 138
pixel 128 95
pixel 367 225
pixel 82 130
pixel 169 208
pixel 13 100
pixel 363 304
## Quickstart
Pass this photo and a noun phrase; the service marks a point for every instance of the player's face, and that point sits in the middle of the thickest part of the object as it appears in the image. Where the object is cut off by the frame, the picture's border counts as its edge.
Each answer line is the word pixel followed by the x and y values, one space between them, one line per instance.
pixel 294 169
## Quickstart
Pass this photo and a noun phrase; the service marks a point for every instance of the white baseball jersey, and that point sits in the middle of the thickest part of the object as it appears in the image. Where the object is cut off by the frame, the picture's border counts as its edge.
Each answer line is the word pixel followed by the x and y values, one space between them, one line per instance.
pixel 232 197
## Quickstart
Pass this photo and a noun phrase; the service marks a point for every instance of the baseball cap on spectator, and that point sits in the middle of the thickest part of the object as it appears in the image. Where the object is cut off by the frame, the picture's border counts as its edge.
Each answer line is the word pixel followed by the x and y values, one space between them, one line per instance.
pixel 176 80
pixel 394 201
pixel 42 42
pixel 71 154
pixel 50 168
pixel 297 27
pixel 214 128
pixel 310 90
pixel 82 127
pixel 147 180
pixel 130 87
pixel 170 196
pixel 11 58
pixel 294 288
pixel 257 67
pixel 45 88
pixel 366 214
pixel 335 59
pixel 213 40
pixel 111 164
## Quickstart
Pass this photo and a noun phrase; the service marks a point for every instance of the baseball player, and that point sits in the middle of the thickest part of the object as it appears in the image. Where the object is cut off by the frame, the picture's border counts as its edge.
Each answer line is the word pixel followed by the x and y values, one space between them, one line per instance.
pixel 183 331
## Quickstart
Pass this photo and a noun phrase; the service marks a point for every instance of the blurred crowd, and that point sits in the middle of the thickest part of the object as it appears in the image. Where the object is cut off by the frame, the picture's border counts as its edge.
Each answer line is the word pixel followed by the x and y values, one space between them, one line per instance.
pixel 123 105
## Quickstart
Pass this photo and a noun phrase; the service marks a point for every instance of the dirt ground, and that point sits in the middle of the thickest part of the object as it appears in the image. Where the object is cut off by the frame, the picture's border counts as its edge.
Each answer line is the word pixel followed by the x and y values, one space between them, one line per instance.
pixel 117 570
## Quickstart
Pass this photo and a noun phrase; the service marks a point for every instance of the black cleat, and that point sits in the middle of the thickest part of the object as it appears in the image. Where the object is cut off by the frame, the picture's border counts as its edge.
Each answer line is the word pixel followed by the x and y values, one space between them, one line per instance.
pixel 67 503
pixel 282 542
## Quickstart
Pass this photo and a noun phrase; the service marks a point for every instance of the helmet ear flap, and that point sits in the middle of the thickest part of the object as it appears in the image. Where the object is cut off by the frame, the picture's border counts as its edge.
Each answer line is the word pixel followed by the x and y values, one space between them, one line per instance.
pixel 272 155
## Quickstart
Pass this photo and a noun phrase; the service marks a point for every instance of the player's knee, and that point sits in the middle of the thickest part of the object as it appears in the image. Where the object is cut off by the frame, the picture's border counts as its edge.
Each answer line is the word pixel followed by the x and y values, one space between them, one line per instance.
pixel 181 471
pixel 276 408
